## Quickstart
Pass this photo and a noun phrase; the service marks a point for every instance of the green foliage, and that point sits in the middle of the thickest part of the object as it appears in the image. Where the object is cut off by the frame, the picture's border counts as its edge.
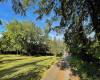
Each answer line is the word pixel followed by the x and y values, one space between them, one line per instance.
pixel 56 47
pixel 23 37
pixel 87 71
pixel 95 49
pixel 26 38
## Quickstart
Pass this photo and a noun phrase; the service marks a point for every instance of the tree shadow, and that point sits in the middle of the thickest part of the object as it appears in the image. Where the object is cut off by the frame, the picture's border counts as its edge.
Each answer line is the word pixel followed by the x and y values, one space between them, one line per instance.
pixel 1 58
pixel 32 75
pixel 10 60
pixel 14 69
pixel 63 65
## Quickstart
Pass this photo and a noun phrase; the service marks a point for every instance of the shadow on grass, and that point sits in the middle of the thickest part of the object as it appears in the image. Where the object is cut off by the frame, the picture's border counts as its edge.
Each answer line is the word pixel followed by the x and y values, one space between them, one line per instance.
pixel 10 60
pixel 13 69
pixel 1 58
pixel 31 75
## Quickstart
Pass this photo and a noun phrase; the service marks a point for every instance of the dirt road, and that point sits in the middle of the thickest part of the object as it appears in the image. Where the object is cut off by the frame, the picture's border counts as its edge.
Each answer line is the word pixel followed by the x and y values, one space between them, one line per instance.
pixel 55 73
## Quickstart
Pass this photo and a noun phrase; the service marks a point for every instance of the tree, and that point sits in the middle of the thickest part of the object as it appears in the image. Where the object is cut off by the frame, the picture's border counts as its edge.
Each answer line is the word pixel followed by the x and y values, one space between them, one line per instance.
pixel 56 47
pixel 24 37
pixel 73 15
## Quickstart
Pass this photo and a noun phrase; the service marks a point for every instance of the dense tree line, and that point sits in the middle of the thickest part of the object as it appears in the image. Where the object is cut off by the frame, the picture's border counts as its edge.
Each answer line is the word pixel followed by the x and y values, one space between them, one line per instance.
pixel 28 39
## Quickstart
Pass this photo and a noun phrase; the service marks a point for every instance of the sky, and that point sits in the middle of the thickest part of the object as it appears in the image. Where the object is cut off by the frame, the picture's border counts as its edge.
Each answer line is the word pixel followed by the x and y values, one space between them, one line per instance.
pixel 7 15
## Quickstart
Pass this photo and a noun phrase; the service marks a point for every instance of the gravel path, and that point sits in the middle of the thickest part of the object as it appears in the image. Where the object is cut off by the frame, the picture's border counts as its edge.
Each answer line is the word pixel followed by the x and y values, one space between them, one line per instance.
pixel 54 73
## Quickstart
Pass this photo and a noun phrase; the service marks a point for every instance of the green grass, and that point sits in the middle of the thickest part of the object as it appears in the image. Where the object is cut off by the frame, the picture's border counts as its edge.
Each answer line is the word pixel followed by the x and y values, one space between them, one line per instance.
pixel 16 67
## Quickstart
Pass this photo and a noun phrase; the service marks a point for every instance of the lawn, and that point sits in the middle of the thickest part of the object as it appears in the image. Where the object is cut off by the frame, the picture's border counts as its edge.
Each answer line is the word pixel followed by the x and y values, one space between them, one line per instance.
pixel 16 67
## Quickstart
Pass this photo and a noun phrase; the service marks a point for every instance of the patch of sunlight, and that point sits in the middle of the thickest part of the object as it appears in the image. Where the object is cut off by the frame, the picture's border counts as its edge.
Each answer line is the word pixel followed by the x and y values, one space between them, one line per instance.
pixel 49 61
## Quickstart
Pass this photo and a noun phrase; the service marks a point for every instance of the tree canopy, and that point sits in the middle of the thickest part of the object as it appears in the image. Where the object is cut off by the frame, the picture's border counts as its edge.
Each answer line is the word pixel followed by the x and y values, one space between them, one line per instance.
pixel 26 38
